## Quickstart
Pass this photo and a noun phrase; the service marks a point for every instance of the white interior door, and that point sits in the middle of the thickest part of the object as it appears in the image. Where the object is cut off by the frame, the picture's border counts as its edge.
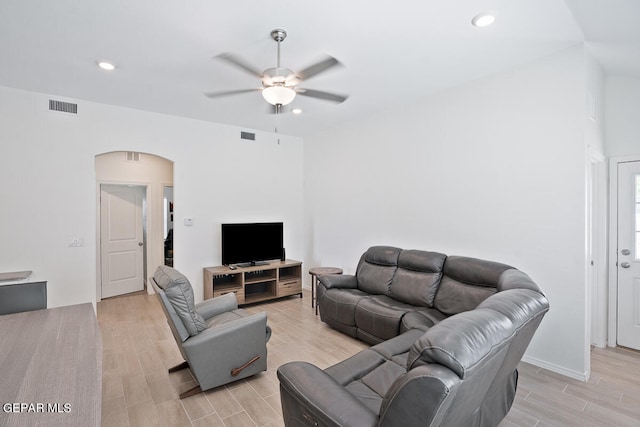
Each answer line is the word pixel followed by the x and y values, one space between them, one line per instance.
pixel 121 239
pixel 628 265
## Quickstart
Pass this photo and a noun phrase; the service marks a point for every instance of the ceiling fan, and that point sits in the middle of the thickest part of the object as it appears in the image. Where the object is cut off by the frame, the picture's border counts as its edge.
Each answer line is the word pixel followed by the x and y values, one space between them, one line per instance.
pixel 279 84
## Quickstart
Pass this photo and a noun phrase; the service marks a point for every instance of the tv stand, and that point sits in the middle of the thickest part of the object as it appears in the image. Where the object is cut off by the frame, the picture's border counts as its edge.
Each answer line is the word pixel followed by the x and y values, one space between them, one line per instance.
pixel 254 283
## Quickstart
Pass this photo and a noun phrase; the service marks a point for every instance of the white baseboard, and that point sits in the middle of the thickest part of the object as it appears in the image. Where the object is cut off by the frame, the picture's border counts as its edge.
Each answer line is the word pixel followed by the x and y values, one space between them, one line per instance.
pixel 580 376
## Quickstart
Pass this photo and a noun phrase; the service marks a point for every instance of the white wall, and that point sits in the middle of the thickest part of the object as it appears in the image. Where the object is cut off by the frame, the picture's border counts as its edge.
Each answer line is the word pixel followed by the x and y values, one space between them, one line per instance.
pixel 48 192
pixel 493 169
pixel 595 104
pixel 596 261
pixel 622 109
pixel 622 116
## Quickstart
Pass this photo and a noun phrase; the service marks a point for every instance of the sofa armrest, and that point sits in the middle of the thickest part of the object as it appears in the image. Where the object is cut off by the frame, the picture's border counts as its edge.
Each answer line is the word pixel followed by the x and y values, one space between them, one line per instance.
pixel 311 397
pixel 338 281
pixel 422 397
pixel 244 325
pixel 218 305
pixel 516 279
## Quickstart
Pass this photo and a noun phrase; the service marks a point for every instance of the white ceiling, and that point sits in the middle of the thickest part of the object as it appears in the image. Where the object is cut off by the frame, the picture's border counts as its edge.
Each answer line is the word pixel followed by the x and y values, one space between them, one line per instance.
pixel 392 52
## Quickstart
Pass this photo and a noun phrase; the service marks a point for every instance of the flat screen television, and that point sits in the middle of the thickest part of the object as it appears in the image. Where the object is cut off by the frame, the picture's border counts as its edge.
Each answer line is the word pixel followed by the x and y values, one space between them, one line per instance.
pixel 251 243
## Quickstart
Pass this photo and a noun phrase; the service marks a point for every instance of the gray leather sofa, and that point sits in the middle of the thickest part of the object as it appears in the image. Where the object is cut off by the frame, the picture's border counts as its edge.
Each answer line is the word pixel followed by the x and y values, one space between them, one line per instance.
pixel 220 343
pixel 449 333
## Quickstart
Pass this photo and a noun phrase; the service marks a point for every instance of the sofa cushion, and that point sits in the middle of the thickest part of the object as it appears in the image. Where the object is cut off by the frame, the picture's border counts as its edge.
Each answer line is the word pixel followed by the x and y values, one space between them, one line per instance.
pixel 466 282
pixel 417 278
pixel 462 341
pixel 370 374
pixel 349 373
pixel 179 292
pixel 356 366
pixel 376 269
pixel 340 304
pixel 380 316
pixel 397 348
pixel 226 317
pixel 421 319
pixel 382 255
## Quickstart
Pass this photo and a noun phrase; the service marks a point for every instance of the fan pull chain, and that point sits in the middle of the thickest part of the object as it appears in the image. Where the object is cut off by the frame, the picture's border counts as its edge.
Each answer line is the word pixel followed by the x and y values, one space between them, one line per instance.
pixel 278 106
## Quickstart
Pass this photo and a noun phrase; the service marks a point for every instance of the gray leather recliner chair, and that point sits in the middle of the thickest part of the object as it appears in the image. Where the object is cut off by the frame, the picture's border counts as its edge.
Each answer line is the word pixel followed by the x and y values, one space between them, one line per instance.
pixel 219 342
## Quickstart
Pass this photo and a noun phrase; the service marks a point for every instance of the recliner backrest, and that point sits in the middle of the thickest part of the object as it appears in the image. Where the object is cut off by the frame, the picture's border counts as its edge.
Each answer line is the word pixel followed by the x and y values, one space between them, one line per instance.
pixel 178 330
pixel 460 342
pixel 466 282
pixel 417 277
pixel 376 269
pixel 179 292
pixel 449 370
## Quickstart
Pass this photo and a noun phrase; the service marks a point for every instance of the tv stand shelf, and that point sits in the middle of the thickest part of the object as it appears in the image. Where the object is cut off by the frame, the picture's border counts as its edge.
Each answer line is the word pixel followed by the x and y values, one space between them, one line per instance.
pixel 255 283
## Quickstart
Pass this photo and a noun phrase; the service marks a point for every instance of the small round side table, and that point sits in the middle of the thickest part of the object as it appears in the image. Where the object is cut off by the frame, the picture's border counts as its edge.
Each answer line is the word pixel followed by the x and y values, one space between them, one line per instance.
pixel 315 273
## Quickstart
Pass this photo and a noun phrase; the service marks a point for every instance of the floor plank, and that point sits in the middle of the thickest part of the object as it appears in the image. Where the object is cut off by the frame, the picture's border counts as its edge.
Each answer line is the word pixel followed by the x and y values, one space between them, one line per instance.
pixel 138 391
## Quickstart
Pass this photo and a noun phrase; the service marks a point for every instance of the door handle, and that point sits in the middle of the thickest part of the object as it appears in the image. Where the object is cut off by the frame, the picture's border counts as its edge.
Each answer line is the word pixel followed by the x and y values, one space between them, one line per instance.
pixel 626 252
pixel 140 243
pixel 625 265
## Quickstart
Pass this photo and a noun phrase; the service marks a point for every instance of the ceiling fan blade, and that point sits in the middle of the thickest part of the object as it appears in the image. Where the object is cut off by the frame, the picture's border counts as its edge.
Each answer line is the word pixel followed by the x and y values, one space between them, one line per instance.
pixel 240 63
pixel 319 94
pixel 223 93
pixel 317 68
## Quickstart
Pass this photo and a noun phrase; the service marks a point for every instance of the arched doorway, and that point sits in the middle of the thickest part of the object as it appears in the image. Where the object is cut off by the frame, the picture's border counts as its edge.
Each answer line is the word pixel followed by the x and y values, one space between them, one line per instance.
pixel 134 177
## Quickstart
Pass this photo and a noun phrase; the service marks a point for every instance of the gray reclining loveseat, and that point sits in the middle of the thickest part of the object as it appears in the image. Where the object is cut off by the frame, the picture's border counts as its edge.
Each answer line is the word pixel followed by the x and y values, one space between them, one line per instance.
pixel 449 333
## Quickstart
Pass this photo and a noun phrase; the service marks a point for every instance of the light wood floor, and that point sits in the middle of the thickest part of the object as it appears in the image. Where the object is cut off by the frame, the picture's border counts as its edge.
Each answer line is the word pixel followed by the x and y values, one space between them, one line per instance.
pixel 138 391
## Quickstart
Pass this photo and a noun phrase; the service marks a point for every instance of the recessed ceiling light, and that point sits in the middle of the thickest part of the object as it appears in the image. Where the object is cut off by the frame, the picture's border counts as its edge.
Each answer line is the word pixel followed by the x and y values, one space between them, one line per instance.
pixel 296 111
pixel 106 65
pixel 484 19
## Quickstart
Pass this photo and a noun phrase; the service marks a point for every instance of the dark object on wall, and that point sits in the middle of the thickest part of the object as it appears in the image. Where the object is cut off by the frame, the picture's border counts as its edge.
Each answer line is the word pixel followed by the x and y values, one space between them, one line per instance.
pixel 20 297
pixel 248 136
pixel 168 248
pixel 64 107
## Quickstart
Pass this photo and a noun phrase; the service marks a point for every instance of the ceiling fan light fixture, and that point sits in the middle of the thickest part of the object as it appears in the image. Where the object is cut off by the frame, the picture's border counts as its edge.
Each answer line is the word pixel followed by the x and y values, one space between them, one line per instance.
pixel 280 84
pixel 484 19
pixel 278 95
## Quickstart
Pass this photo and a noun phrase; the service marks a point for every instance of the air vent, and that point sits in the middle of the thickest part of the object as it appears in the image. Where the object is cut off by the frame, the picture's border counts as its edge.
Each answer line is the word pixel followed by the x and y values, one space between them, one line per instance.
pixel 64 107
pixel 133 156
pixel 248 135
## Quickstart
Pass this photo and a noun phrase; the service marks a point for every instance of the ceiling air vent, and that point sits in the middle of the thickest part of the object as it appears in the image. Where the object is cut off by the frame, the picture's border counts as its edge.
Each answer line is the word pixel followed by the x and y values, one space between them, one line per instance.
pixel 64 107
pixel 248 135
pixel 133 156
